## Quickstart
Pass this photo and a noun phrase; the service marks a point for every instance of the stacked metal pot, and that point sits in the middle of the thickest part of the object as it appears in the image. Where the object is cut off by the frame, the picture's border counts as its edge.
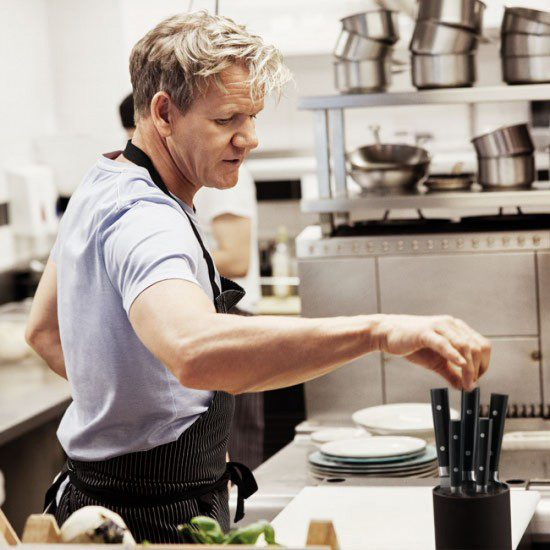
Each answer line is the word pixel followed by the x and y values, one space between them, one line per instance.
pixel 444 43
pixel 363 51
pixel 505 158
pixel 525 46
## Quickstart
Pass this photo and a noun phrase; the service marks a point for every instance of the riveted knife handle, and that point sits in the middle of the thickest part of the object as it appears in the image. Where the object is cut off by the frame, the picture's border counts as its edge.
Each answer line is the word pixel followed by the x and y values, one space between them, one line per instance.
pixel 497 413
pixel 483 450
pixel 455 469
pixel 469 419
pixel 441 417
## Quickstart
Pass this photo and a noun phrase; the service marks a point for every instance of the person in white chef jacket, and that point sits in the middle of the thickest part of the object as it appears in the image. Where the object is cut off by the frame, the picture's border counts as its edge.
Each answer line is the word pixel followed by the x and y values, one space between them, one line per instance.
pixel 229 220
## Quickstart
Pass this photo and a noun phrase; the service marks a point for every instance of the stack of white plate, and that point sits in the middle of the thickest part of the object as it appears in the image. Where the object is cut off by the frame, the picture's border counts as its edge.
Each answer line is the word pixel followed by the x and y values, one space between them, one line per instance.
pixel 377 456
pixel 412 419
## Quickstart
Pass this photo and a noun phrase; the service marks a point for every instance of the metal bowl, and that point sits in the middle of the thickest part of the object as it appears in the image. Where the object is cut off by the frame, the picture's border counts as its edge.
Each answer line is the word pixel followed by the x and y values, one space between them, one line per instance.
pixel 396 177
pixel 354 47
pixel 517 44
pixel 443 71
pixel 505 142
pixel 388 165
pixel 377 25
pixel 506 172
pixel 526 69
pixel 466 14
pixel 525 21
pixel 431 38
pixel 369 75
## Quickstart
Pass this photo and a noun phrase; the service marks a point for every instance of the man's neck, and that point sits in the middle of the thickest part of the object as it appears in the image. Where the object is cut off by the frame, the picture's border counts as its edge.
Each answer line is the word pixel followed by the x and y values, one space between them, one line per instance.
pixel 147 139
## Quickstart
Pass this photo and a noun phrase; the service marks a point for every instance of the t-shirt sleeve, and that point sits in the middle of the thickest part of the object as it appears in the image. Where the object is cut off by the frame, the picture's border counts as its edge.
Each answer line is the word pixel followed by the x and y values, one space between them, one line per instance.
pixel 148 242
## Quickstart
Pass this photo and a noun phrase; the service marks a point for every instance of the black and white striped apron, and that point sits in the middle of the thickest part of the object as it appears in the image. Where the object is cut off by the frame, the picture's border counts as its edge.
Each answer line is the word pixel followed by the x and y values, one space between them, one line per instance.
pixel 156 490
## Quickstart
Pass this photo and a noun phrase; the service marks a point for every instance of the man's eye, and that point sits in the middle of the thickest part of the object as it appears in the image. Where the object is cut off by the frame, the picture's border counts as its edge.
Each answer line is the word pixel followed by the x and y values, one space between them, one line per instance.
pixel 224 120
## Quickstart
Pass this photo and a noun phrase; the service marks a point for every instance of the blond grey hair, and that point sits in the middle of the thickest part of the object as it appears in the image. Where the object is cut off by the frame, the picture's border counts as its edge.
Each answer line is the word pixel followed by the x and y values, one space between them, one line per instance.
pixel 184 51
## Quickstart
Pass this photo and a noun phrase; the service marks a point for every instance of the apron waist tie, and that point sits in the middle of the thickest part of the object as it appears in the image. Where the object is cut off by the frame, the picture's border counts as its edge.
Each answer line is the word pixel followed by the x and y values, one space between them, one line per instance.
pixel 243 478
pixel 237 473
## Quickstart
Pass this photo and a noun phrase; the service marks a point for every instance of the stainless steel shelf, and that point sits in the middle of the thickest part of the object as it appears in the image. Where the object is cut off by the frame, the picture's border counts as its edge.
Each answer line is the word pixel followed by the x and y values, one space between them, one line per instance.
pixel 539 195
pixel 476 94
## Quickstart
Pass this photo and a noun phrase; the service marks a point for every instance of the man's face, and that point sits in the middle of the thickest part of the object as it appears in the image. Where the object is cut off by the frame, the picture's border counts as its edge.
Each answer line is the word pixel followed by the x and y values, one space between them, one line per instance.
pixel 210 141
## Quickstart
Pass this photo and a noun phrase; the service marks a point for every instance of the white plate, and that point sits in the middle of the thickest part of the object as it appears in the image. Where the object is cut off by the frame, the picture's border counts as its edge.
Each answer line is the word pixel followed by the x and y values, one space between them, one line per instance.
pixel 402 418
pixel 335 434
pixel 372 447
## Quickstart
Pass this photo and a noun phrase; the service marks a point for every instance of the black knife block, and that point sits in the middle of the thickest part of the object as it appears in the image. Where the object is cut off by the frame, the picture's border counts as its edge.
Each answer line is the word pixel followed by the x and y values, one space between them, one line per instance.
pixel 472 521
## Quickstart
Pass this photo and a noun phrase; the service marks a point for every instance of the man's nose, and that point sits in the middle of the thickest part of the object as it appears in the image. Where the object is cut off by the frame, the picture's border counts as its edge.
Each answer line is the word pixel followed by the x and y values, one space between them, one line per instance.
pixel 246 137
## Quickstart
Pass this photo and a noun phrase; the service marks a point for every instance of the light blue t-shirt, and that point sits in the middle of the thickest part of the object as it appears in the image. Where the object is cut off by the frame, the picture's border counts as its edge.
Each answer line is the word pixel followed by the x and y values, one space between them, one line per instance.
pixel 119 235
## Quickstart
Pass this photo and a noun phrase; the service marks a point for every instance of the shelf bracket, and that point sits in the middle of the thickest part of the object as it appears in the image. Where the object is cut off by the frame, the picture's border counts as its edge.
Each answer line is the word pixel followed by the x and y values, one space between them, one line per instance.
pixel 322 153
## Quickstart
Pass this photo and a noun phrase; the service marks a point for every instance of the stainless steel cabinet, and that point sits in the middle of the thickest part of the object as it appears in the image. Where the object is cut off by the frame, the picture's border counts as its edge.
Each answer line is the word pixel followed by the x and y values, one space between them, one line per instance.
pixel 341 287
pixel 495 293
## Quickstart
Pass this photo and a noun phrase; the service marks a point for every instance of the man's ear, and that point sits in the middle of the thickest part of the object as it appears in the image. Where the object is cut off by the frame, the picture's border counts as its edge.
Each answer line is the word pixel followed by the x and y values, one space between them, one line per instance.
pixel 161 106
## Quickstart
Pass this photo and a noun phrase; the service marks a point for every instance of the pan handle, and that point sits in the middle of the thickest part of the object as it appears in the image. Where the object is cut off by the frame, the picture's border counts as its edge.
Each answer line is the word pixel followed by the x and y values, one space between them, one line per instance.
pixel 375 129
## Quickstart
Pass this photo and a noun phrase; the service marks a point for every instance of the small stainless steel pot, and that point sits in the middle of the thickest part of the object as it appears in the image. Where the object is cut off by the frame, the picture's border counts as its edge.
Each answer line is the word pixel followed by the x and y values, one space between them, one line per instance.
pixel 467 14
pixel 526 69
pixel 525 21
pixel 370 75
pixel 506 172
pixel 432 38
pixel 443 71
pixel 354 47
pixel 517 44
pixel 377 25
pixel 505 142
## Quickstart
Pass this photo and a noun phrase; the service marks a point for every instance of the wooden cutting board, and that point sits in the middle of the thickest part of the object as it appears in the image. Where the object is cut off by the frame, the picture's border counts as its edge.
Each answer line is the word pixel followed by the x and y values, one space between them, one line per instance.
pixel 380 518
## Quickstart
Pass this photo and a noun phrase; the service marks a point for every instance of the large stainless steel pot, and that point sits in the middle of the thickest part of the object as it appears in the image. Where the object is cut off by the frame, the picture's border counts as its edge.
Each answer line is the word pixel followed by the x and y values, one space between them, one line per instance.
pixel 431 38
pixel 526 69
pixel 443 71
pixel 467 14
pixel 525 21
pixel 533 15
pixel 370 75
pixel 504 142
pixel 385 165
pixel 517 44
pixel 506 172
pixel 377 25
pixel 354 47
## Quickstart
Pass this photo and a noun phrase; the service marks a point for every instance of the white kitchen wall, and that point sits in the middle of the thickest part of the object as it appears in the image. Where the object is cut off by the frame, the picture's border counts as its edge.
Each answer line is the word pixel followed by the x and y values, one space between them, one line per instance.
pixel 26 94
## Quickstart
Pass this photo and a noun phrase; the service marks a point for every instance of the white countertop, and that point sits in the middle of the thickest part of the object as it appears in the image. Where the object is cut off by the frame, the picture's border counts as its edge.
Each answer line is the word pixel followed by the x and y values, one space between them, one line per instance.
pixel 30 395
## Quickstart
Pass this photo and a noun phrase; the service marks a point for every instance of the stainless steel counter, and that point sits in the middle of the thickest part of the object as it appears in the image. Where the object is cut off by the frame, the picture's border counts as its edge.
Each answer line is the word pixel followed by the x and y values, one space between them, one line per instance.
pixel 30 395
pixel 282 477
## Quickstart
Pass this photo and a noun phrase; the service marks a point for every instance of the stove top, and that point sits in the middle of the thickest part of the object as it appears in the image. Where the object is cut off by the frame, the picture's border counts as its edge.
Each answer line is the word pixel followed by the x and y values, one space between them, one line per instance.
pixel 504 222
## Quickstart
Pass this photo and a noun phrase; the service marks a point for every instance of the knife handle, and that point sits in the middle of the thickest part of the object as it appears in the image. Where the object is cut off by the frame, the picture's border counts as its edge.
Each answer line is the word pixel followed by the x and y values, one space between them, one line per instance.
pixel 497 413
pixel 483 450
pixel 441 417
pixel 454 455
pixel 469 418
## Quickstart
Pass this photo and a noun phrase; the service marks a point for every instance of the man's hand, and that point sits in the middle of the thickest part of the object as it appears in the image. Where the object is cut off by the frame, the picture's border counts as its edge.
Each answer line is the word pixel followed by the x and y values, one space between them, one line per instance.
pixel 446 345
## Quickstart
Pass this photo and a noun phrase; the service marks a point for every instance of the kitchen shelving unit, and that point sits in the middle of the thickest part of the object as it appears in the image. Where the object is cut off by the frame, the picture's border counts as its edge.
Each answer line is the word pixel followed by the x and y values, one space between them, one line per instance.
pixel 335 202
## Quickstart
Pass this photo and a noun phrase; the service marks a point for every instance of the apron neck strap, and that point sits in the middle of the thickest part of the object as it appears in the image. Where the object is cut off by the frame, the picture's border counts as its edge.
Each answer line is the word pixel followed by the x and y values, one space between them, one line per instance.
pixel 137 156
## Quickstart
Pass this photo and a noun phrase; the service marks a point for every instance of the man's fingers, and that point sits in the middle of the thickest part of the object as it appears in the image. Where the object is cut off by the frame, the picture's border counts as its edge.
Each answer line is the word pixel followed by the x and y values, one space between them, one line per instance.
pixel 458 351
pixel 444 347
pixel 481 347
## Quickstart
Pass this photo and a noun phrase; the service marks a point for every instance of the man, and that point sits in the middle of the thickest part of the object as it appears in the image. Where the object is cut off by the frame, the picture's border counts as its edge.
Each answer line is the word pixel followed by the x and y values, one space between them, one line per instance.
pixel 230 224
pixel 127 308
